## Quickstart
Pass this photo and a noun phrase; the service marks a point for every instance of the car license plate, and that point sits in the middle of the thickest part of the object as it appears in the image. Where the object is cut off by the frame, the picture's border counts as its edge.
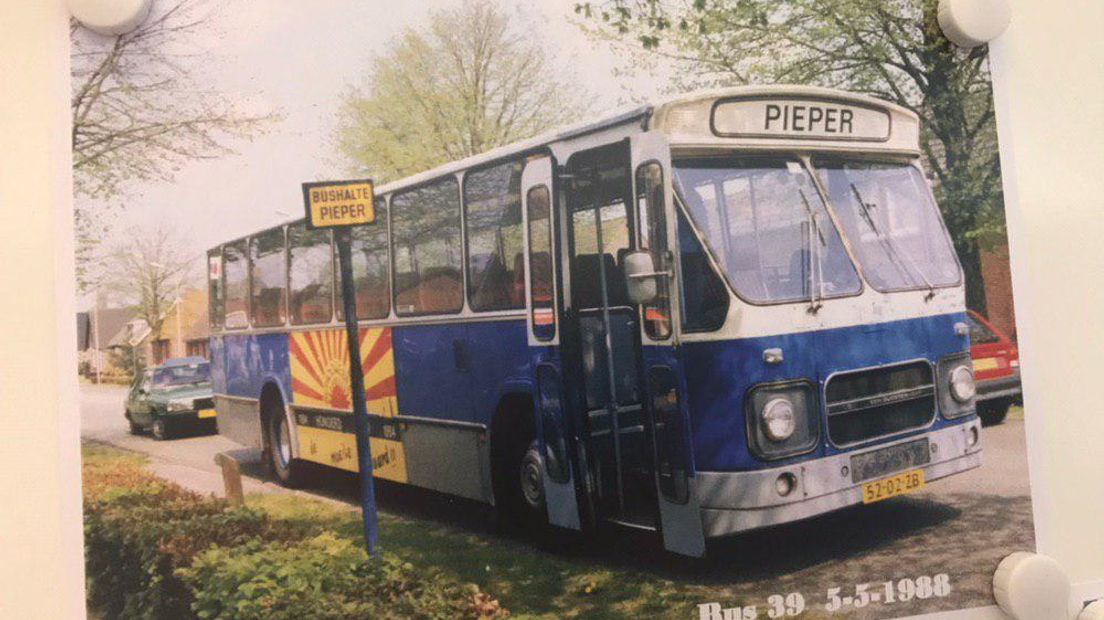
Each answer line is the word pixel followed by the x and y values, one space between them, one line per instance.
pixel 206 413
pixel 987 363
pixel 904 482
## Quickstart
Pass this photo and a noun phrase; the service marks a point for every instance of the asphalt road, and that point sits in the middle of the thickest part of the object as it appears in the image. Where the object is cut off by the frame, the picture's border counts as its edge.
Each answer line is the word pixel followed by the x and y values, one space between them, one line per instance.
pixel 962 526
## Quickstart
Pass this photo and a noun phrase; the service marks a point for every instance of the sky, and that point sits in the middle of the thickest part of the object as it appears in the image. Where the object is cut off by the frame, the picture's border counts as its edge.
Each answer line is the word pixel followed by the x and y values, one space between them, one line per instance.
pixel 298 58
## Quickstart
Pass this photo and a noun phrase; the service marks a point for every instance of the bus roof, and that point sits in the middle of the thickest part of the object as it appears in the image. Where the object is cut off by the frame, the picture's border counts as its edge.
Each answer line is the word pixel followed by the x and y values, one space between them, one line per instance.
pixel 732 117
pixel 727 117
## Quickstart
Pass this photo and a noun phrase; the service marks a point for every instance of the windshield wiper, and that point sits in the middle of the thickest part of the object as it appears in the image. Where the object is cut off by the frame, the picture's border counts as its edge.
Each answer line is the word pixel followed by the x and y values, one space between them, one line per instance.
pixel 816 270
pixel 889 247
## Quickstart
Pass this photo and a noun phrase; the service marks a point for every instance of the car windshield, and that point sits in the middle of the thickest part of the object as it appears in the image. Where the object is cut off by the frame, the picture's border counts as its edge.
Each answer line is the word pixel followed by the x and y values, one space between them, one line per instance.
pixel 766 226
pixel 888 215
pixel 190 374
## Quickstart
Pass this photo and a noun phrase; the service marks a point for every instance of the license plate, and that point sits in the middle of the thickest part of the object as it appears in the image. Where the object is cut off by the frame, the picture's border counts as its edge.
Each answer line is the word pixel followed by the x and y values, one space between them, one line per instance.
pixel 904 482
pixel 988 363
pixel 206 413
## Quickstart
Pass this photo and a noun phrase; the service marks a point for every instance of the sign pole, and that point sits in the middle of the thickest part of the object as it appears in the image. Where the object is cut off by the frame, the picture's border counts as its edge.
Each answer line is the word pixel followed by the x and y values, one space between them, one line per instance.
pixel 341 205
pixel 343 239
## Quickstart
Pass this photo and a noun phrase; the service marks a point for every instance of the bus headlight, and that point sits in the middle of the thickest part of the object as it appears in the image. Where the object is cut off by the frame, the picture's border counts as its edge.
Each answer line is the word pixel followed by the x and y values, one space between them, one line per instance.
pixel 782 419
pixel 778 419
pixel 963 387
pixel 956 385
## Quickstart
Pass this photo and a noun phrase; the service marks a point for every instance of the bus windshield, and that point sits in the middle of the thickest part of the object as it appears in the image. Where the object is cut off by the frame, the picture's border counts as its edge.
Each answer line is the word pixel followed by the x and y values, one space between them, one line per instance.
pixel 171 376
pixel 888 214
pixel 767 227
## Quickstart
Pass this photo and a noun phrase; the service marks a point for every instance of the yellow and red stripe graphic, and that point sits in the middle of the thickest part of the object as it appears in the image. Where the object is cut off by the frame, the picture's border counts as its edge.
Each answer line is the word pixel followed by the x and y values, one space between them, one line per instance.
pixel 319 362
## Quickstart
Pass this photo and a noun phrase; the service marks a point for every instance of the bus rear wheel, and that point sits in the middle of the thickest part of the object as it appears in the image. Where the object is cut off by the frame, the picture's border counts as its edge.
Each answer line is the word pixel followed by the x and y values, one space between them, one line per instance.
pixel 288 469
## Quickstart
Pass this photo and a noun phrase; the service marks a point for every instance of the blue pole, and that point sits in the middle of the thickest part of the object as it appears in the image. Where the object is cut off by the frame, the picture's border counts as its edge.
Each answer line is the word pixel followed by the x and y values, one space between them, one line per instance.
pixel 343 239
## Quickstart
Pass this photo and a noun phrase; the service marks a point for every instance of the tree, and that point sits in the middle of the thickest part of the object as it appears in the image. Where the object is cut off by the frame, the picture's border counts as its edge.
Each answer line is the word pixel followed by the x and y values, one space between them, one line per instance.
pixel 466 82
pixel 141 110
pixel 149 270
pixel 893 49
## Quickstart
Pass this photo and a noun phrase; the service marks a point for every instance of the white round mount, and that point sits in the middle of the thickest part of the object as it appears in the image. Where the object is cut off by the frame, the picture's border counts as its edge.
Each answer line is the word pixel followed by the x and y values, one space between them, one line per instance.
pixel 970 23
pixel 1029 586
pixel 110 17
pixel 1095 611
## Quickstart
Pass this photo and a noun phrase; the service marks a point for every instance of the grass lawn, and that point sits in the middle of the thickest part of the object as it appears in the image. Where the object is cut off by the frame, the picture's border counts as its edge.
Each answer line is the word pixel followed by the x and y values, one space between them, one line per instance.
pixel 531 583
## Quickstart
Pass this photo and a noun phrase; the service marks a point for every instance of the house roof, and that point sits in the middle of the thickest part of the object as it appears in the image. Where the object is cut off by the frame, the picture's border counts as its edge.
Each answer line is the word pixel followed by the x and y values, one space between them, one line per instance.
pixel 106 323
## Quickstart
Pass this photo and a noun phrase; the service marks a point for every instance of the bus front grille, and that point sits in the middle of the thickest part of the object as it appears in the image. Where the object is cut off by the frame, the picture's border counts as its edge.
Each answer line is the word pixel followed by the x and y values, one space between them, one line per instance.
pixel 879 402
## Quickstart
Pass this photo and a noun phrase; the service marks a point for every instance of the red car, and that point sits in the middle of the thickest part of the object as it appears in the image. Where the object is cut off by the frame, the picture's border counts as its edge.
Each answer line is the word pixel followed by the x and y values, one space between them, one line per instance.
pixel 996 370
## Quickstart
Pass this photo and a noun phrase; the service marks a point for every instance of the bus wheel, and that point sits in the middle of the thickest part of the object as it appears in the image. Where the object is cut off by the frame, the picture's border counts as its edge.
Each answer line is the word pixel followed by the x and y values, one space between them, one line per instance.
pixel 532 479
pixel 288 469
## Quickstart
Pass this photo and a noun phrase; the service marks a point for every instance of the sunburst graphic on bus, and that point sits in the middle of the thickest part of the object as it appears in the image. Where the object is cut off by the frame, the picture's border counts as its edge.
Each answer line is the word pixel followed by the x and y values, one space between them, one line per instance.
pixel 319 362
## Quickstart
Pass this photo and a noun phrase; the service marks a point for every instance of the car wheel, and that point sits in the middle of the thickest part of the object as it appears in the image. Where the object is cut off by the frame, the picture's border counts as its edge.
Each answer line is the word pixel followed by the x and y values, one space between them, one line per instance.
pixel 994 413
pixel 160 429
pixel 134 428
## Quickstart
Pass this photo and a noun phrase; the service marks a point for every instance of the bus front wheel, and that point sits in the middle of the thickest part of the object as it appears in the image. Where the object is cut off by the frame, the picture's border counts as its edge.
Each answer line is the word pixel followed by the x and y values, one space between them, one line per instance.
pixel 288 469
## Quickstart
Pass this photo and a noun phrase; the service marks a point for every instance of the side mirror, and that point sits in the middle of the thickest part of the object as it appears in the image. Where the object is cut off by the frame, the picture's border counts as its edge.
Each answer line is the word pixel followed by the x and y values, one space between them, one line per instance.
pixel 641 277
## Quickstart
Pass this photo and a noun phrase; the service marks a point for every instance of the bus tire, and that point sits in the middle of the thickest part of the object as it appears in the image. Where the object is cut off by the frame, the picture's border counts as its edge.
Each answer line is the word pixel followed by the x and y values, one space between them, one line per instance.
pixel 993 413
pixel 518 473
pixel 289 471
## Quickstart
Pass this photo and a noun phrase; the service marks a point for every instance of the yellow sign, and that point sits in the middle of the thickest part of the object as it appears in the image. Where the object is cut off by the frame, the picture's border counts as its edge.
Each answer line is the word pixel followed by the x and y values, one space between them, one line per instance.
pixel 339 203
pixel 904 482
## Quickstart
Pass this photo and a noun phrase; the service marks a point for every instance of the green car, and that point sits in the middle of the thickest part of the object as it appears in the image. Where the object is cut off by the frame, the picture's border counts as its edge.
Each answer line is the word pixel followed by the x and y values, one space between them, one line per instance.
pixel 171 397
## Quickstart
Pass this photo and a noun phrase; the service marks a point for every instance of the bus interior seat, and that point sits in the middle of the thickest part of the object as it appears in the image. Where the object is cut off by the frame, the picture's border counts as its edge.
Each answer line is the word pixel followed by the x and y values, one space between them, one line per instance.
pixel 587 288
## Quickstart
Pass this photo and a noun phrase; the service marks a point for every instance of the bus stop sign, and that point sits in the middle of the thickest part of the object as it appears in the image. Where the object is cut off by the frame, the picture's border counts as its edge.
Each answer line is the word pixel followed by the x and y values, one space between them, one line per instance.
pixel 340 205
pixel 333 204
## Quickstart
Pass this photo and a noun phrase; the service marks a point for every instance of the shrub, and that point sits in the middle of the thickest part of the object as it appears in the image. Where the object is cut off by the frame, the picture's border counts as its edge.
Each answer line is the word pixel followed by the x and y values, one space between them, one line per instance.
pixel 138 529
pixel 323 577
pixel 156 550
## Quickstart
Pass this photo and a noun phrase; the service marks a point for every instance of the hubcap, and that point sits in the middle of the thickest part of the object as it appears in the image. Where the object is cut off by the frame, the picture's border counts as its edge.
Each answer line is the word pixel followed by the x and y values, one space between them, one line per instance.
pixel 283 446
pixel 159 429
pixel 532 482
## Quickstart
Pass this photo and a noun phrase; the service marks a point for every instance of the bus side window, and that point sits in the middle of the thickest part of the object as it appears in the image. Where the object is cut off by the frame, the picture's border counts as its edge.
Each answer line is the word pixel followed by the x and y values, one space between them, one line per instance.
pixel 267 264
pixel 704 297
pixel 427 253
pixel 370 269
pixel 541 280
pixel 653 237
pixel 492 216
pixel 215 297
pixel 310 275
pixel 236 277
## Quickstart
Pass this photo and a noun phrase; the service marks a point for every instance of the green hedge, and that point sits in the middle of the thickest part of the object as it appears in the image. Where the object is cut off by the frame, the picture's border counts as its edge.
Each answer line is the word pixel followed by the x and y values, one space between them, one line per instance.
pixel 156 550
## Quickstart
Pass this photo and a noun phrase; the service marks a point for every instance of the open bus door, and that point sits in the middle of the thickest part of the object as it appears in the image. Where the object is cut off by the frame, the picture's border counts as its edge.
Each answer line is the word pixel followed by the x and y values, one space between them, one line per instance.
pixel 553 425
pixel 679 512
pixel 624 378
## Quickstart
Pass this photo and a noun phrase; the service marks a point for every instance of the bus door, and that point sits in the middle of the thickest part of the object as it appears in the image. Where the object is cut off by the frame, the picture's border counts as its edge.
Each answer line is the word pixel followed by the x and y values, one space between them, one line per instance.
pixel 679 512
pixel 554 428
pixel 602 348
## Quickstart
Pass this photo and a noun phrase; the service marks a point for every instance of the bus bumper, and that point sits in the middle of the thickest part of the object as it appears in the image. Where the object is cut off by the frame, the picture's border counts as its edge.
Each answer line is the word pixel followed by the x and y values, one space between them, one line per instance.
pixel 735 502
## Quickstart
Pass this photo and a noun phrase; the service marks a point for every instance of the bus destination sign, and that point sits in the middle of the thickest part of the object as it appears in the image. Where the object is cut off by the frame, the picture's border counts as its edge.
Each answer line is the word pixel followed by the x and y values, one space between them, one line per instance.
pixel 332 204
pixel 799 118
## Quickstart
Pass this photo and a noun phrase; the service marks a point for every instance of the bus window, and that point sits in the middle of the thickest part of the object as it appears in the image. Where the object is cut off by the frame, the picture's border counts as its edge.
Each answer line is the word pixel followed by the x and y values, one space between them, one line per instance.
pixel 310 275
pixel 215 298
pixel 236 277
pixel 540 264
pixel 266 259
pixel 653 237
pixel 425 229
pixel 704 298
pixel 492 211
pixel 370 269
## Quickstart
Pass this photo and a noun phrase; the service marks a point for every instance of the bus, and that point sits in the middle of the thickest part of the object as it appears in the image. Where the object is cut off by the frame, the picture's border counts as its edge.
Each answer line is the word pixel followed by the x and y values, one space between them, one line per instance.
pixel 726 311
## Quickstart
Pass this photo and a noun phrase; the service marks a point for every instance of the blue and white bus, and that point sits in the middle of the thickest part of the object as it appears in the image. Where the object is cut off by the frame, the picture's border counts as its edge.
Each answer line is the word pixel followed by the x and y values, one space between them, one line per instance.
pixel 727 311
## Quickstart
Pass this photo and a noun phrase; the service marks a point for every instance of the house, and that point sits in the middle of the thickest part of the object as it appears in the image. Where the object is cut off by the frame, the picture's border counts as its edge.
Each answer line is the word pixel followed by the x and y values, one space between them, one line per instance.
pixel 98 330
